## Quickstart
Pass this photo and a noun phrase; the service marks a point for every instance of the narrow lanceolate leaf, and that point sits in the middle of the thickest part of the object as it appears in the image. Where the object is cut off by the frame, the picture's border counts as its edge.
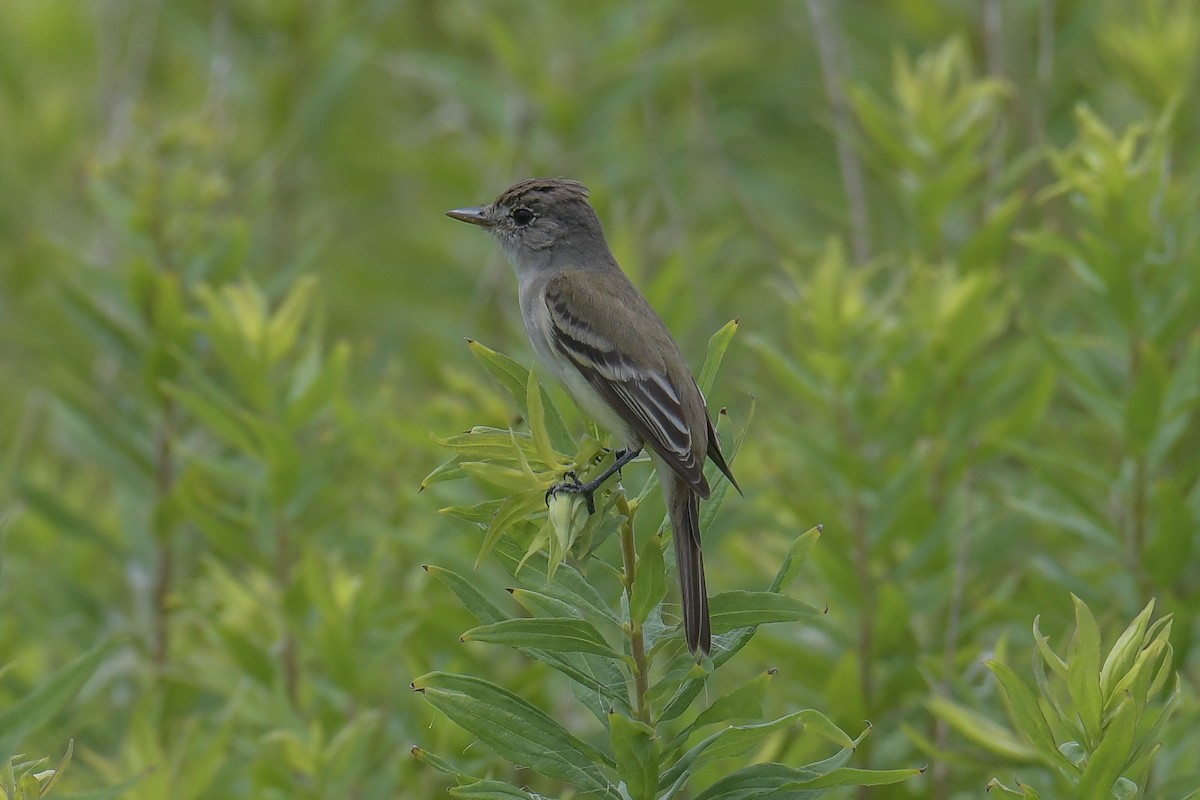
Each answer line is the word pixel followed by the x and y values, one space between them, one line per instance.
pixel 727 743
pixel 650 583
pixel 482 608
pixel 1138 680
pixel 450 471
pixel 1083 671
pixel 982 731
pixel 795 557
pixel 511 375
pixel 1109 759
pixel 219 414
pixel 716 479
pixel 37 707
pixel 480 513
pixel 1003 791
pixel 109 792
pixel 517 730
pixel 567 584
pixel 817 724
pixel 490 790
pixel 483 443
pixel 515 507
pixel 636 749
pixel 540 422
pixel 1048 655
pixel 744 609
pixel 744 702
pixel 717 345
pixel 544 633
pixel 759 782
pixel 849 776
pixel 437 762
pixel 1027 716
pixel 1125 652
pixel 515 378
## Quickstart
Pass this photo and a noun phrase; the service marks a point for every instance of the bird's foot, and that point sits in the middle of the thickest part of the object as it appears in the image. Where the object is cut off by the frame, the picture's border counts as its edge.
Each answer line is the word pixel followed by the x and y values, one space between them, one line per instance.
pixel 572 485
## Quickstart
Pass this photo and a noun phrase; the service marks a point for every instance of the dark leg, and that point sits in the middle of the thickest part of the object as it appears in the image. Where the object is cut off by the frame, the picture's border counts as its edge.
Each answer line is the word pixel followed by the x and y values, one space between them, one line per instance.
pixel 574 486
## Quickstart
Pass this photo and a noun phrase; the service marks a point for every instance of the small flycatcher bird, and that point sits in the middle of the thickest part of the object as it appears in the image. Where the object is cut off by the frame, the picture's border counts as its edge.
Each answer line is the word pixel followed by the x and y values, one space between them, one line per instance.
pixel 597 334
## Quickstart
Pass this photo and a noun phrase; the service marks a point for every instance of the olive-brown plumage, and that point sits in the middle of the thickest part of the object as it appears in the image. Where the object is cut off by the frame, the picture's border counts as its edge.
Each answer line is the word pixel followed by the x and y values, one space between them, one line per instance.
pixel 597 333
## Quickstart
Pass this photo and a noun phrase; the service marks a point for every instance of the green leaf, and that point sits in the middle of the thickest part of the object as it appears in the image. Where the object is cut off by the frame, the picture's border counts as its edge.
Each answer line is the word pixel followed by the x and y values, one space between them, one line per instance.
pixel 511 375
pixel 818 724
pixel 981 731
pixel 114 792
pixel 1108 760
pixel 1083 671
pixel 483 443
pixel 514 479
pixel 539 419
pixel 717 345
pixel 682 699
pixel 760 782
pixel 480 513
pixel 39 706
pixel 729 742
pixel 636 748
pixel 1027 716
pixel 744 609
pixel 118 333
pixel 249 652
pixel 1125 651
pixel 482 608
pixel 490 790
pixel 716 479
pixel 1171 546
pixel 1152 661
pixel 284 325
pixel 515 508
pixel 650 582
pixel 67 521
pixel 433 760
pixel 568 585
pixel 517 730
pixel 1145 401
pixel 795 558
pixel 1057 664
pixel 744 702
pixel 452 470
pixel 316 383
pixel 553 634
pixel 515 378
pixel 540 604
pixel 849 776
pixel 1021 791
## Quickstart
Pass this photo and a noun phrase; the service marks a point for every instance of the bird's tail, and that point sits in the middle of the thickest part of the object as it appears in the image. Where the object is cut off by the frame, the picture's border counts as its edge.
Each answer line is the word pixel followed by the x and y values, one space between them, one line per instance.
pixel 683 506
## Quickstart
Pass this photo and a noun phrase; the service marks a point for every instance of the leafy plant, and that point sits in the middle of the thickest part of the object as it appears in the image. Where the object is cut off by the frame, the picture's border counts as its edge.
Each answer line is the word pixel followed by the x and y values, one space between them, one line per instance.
pixel 26 779
pixel 621 655
pixel 1095 724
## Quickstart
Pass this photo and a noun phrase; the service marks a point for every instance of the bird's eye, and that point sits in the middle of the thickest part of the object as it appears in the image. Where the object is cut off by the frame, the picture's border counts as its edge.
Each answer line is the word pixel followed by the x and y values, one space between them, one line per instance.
pixel 522 216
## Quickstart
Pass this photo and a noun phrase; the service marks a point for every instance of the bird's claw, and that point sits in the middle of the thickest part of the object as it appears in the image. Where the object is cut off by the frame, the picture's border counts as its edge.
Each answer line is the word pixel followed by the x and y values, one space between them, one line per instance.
pixel 572 485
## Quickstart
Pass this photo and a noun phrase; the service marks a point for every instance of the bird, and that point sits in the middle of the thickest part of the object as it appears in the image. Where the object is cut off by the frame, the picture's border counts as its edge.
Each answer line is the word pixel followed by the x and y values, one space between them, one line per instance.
pixel 599 336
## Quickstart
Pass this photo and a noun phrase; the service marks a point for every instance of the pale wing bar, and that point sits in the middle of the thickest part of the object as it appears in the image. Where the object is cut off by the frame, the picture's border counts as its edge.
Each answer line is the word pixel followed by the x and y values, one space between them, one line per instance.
pixel 644 399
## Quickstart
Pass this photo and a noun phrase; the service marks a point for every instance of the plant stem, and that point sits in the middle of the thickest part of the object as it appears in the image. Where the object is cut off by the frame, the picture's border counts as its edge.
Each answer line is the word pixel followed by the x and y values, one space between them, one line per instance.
pixel 637 642
pixel 942 732
pixel 283 575
pixel 829 53
pixel 164 570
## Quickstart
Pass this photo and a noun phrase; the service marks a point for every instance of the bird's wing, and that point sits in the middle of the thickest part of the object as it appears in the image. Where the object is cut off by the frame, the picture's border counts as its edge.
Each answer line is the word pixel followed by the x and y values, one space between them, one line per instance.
pixel 643 392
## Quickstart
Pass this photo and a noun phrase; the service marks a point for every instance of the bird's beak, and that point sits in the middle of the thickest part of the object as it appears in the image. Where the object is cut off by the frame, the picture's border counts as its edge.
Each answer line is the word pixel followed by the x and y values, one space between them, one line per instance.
pixel 475 216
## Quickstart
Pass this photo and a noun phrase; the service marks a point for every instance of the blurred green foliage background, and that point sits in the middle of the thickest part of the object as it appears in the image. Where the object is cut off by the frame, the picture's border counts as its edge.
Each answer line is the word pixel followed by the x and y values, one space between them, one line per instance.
pixel 961 239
